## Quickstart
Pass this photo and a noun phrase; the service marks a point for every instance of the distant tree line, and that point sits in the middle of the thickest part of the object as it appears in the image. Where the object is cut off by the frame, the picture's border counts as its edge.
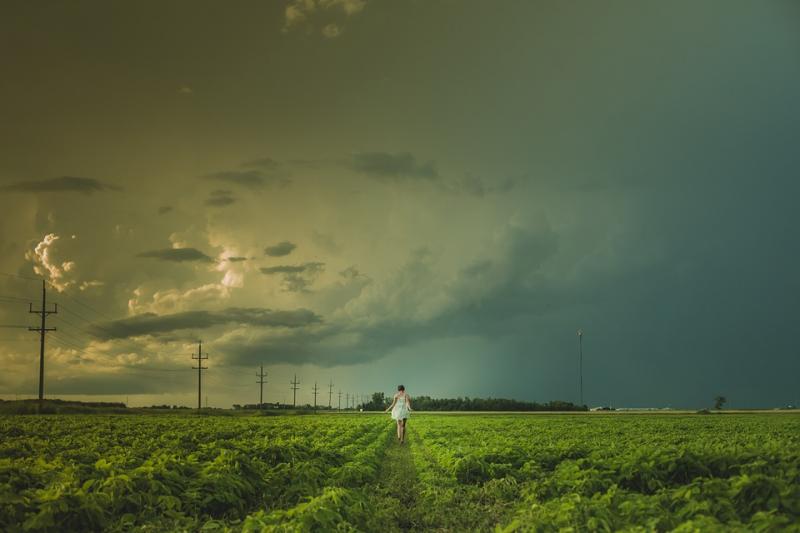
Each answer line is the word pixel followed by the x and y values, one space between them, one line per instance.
pixel 380 402
pixel 278 405
pixel 56 406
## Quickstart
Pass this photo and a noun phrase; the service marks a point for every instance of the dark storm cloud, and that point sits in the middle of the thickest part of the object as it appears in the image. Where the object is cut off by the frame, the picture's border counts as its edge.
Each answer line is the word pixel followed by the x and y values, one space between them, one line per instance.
pixel 293 269
pixel 177 255
pixel 220 201
pixel 220 198
pixel 153 324
pixel 253 179
pixel 279 250
pixel 393 166
pixel 296 278
pixel 164 209
pixel 264 163
pixel 295 347
pixel 62 184
pixel 326 242
pixel 350 272
pixel 513 294
pixel 668 164
pixel 236 259
pixel 132 380
pixel 477 187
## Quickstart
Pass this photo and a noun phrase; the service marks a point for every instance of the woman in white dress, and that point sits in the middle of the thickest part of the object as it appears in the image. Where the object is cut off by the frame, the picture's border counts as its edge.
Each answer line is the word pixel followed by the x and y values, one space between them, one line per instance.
pixel 401 410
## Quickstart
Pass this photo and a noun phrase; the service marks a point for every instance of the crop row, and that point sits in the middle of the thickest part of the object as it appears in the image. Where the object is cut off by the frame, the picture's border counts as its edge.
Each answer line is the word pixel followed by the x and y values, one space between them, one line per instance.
pixel 611 473
pixel 154 473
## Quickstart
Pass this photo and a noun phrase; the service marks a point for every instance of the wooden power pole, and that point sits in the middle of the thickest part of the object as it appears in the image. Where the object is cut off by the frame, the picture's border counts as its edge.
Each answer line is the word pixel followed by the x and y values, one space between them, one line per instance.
pixel 43 312
pixel 200 358
pixel 261 375
pixel 295 384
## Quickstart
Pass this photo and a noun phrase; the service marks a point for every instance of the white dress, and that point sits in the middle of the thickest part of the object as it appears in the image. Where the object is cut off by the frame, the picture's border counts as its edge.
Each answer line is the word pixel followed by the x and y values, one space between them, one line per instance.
pixel 400 409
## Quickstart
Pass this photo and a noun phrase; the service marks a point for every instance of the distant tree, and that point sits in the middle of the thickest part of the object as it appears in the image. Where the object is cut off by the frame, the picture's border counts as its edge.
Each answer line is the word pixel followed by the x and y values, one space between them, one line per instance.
pixel 377 403
pixel 719 401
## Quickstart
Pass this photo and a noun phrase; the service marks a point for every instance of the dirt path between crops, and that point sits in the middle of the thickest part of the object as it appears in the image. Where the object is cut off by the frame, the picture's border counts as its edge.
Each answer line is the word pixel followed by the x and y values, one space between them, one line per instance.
pixel 397 488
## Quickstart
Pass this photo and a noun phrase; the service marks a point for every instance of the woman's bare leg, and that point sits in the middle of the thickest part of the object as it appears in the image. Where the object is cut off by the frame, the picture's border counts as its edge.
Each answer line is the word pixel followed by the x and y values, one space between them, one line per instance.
pixel 403 431
pixel 399 430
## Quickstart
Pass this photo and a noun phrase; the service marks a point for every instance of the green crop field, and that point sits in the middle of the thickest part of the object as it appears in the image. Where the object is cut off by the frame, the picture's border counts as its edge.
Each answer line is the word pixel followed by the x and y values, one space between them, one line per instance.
pixel 346 472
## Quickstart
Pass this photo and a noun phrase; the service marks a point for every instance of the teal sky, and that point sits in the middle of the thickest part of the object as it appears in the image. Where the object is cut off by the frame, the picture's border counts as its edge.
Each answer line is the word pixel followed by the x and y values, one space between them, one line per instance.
pixel 437 194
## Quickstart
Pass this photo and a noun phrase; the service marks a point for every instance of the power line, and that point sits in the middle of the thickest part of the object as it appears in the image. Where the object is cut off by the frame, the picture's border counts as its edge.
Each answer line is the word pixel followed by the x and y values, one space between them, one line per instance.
pixel 76 326
pixel 16 298
pixel 65 342
pixel 92 355
pixel 13 302
pixel 18 276
pixel 73 298
pixel 87 306
pixel 73 345
pixel 94 324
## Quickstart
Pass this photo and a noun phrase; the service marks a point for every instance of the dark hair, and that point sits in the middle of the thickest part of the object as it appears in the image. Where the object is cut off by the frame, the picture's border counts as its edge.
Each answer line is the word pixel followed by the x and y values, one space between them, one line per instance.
pixel 400 387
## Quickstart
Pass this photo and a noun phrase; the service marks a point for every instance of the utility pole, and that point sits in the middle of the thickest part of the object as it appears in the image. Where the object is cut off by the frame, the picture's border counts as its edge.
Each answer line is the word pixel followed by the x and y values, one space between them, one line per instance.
pixel 347 401
pixel 42 330
pixel 330 394
pixel 200 358
pixel 315 389
pixel 261 382
pixel 295 384
pixel 580 361
pixel 340 399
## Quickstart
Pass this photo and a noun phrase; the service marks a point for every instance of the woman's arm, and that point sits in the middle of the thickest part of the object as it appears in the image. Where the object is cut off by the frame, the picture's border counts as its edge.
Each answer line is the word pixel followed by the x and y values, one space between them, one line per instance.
pixel 394 400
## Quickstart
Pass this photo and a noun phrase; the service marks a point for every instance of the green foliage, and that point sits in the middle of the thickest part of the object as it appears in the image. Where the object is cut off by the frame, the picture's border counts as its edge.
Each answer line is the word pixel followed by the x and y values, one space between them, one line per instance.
pixel 89 473
pixel 610 473
pixel 347 473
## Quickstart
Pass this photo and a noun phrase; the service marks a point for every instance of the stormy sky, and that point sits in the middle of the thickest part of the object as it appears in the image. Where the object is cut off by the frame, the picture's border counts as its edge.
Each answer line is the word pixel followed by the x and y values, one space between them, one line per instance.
pixel 438 194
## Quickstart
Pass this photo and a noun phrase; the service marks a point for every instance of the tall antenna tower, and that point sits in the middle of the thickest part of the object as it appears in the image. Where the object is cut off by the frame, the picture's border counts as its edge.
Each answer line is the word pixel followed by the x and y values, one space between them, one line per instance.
pixel 261 375
pixel 295 384
pixel 200 358
pixel 315 389
pixel 330 394
pixel 580 362
pixel 42 330
pixel 340 399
